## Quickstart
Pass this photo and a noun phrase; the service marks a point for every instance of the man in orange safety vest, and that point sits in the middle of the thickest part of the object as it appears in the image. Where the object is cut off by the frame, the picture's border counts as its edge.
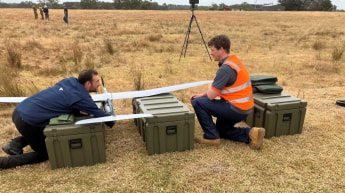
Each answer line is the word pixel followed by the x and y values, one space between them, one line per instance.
pixel 232 84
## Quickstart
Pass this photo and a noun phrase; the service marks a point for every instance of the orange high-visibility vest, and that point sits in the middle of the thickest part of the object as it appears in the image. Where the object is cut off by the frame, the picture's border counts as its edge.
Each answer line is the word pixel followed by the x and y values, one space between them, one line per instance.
pixel 240 94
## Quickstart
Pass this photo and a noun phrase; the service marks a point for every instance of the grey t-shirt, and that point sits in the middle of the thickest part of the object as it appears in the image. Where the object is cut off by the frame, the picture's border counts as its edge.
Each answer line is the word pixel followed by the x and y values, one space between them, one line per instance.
pixel 225 76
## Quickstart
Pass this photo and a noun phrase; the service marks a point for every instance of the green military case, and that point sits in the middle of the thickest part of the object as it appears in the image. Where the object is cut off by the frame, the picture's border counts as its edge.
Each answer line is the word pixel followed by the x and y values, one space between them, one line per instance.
pixel 71 145
pixel 280 114
pixel 170 129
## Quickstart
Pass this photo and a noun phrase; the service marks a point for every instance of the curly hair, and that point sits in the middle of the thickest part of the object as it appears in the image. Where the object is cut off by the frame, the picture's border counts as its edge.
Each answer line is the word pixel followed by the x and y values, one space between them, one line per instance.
pixel 220 41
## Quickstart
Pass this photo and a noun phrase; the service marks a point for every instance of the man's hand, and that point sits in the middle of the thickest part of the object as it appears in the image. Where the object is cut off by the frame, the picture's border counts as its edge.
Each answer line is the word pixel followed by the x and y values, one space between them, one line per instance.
pixel 83 113
pixel 194 96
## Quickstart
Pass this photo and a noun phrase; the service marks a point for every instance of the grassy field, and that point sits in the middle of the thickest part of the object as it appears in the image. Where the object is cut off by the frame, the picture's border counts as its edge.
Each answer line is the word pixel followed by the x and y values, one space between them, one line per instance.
pixel 303 49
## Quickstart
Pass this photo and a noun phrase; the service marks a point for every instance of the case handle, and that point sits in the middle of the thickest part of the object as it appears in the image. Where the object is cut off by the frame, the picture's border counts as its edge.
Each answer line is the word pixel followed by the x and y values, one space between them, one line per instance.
pixel 287 117
pixel 171 130
pixel 75 143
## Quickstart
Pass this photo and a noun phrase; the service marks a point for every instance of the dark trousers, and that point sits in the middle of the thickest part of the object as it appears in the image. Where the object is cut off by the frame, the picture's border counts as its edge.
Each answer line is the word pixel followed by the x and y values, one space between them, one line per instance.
pixel 227 117
pixel 65 18
pixel 34 137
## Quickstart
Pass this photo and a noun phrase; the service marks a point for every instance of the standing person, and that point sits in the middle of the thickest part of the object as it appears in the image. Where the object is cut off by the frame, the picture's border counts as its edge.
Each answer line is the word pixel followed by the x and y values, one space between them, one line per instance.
pixel 70 95
pixel 35 11
pixel 232 84
pixel 41 12
pixel 46 12
pixel 65 11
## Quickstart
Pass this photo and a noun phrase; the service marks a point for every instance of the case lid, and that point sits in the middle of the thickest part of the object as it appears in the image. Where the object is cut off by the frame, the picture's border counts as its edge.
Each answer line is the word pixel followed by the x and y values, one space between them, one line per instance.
pixel 72 129
pixel 279 101
pixel 165 107
pixel 263 80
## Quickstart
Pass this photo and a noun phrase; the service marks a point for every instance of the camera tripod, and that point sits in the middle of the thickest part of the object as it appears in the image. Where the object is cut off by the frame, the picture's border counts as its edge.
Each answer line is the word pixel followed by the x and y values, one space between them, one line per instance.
pixel 185 43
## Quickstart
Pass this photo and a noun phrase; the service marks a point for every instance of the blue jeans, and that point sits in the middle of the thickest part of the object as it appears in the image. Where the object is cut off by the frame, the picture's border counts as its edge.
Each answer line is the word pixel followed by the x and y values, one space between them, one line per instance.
pixel 226 119
pixel 65 18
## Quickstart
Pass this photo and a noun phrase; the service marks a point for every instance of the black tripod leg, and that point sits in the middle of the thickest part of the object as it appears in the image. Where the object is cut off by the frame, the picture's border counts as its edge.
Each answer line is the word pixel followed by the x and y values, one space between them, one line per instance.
pixel 196 21
pixel 189 28
pixel 185 43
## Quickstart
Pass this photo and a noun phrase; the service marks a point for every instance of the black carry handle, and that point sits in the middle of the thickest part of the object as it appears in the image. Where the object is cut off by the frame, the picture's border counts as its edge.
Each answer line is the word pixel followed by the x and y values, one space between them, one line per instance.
pixel 287 117
pixel 171 130
pixel 75 143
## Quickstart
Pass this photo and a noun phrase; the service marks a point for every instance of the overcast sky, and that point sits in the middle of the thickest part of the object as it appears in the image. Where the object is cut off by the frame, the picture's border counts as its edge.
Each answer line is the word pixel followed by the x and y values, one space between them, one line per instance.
pixel 339 3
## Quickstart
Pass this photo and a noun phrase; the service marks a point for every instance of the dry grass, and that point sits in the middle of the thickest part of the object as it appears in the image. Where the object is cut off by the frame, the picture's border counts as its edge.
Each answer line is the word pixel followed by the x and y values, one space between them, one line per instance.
pixel 297 47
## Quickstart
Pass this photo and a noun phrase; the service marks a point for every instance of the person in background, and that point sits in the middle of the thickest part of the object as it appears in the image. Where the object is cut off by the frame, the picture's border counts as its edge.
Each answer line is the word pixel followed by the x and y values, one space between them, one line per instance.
pixel 65 11
pixel 35 11
pixel 232 84
pixel 41 11
pixel 31 116
pixel 46 12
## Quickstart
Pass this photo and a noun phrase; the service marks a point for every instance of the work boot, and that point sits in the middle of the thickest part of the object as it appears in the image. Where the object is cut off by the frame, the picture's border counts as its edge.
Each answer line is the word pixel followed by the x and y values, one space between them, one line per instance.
pixel 202 140
pixel 15 146
pixel 256 135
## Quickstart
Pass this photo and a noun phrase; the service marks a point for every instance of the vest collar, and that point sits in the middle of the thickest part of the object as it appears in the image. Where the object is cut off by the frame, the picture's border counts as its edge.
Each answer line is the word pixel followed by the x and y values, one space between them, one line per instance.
pixel 220 63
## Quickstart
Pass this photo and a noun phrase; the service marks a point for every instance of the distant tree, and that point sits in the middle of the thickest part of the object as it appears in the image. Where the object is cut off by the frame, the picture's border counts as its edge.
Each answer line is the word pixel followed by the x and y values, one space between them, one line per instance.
pixel 25 4
pixel 325 5
pixel 334 7
pixel 246 7
pixel 42 2
pixel 117 4
pixel 292 5
pixel 222 6
pixel 149 5
pixel 135 4
pixel 214 6
pixel 53 3
pixel 308 5
pixel 164 6
pixel 89 4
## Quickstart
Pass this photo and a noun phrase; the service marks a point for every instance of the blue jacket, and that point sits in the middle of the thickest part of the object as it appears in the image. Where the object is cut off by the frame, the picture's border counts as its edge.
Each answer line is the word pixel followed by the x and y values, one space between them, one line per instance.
pixel 66 97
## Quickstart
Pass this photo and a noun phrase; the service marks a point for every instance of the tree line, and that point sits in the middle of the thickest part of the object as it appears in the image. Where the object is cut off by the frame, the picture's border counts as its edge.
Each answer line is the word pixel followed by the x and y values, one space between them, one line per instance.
pixel 290 5
pixel 308 5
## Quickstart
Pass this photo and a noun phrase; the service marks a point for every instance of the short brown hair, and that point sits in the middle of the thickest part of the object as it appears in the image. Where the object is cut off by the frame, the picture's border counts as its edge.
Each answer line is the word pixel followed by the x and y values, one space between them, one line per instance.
pixel 86 75
pixel 220 41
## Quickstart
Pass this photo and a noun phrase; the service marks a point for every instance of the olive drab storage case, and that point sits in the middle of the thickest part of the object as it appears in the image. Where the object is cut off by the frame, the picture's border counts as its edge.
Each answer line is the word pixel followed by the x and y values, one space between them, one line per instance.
pixel 170 129
pixel 280 114
pixel 71 145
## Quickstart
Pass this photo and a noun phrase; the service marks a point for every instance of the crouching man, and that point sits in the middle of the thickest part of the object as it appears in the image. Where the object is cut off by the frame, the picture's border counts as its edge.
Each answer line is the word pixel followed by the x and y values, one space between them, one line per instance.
pixel 232 84
pixel 33 114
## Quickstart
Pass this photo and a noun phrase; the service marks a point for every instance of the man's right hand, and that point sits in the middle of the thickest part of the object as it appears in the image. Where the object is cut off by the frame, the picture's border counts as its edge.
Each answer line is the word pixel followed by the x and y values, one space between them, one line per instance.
pixel 194 96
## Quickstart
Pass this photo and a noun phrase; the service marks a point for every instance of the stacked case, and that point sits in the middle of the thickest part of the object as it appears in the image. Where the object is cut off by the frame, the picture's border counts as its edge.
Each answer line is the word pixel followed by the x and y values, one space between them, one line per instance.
pixel 280 114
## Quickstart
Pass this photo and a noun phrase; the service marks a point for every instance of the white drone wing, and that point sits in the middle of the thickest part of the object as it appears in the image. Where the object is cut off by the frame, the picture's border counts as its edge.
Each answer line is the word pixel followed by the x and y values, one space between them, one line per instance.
pixel 11 99
pixel 112 118
pixel 122 95
pixel 144 93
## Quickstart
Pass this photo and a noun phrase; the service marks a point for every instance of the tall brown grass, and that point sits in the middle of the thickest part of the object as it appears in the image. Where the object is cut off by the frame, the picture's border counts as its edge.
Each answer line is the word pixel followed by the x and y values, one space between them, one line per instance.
pixel 77 52
pixel 14 55
pixel 337 53
pixel 138 77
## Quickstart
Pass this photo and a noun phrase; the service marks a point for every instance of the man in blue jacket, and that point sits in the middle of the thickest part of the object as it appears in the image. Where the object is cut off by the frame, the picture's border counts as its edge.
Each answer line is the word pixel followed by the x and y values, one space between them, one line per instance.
pixel 31 116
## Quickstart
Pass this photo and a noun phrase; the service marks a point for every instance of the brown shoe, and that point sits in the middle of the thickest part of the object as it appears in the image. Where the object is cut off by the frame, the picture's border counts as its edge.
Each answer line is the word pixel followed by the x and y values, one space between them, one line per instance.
pixel 202 140
pixel 256 135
